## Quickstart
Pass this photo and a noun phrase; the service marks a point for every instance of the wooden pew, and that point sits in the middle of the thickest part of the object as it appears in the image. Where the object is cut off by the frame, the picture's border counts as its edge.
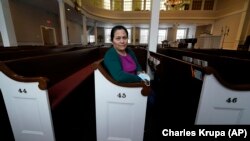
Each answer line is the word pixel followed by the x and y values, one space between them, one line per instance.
pixel 12 55
pixel 233 69
pixel 66 63
pixel 202 92
pixel 57 75
pixel 120 107
pixel 25 102
pixel 23 48
pixel 176 91
pixel 217 52
pixel 29 96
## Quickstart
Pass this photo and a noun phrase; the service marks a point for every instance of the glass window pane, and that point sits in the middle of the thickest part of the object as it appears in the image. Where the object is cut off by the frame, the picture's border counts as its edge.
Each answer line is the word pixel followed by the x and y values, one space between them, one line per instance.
pixel 145 4
pixel 127 5
pixel 144 36
pixel 162 6
pixel 162 35
pixel 181 34
pixel 107 32
pixel 108 38
pixel 91 38
pixel 106 4
pixel 129 35
pixel 148 4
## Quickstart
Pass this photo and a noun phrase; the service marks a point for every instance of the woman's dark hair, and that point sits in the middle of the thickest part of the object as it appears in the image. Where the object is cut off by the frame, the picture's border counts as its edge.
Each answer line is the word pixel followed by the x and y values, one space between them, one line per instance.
pixel 118 27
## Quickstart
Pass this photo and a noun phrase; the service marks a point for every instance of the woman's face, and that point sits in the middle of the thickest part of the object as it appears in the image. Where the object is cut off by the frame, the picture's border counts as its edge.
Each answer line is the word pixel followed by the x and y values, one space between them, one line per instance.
pixel 120 40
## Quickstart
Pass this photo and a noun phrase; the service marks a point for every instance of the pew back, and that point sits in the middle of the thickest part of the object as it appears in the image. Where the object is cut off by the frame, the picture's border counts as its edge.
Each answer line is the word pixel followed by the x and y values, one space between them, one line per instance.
pixel 55 67
pixel 177 90
pixel 233 69
pixel 183 86
pixel 13 55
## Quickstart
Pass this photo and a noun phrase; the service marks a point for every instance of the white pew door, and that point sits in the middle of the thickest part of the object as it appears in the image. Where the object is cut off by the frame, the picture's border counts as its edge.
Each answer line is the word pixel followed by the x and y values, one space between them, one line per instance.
pixel 120 111
pixel 222 106
pixel 28 109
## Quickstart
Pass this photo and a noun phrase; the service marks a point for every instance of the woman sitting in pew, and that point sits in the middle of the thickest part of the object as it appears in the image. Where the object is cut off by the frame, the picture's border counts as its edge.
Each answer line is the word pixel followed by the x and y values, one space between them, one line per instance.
pixel 123 66
pixel 121 61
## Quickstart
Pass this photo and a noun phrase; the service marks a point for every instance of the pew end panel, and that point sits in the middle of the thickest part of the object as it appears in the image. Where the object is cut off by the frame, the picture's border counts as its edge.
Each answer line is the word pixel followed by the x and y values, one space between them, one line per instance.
pixel 223 105
pixel 214 99
pixel 120 108
pixel 27 106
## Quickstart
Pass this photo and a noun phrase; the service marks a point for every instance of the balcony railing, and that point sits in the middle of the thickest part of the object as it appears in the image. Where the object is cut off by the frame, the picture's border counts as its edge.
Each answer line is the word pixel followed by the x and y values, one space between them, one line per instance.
pixel 145 5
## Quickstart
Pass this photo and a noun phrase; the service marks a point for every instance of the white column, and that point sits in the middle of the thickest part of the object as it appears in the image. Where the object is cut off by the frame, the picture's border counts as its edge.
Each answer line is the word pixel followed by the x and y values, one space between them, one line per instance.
pixel 153 32
pixel 154 25
pixel 63 22
pixel 133 37
pixel 6 27
pixel 95 33
pixel 85 35
pixel 241 24
pixel 175 28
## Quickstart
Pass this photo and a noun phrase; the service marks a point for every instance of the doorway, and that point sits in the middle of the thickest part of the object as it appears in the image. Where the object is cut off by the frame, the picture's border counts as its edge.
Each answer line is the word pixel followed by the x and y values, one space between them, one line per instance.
pixel 48 36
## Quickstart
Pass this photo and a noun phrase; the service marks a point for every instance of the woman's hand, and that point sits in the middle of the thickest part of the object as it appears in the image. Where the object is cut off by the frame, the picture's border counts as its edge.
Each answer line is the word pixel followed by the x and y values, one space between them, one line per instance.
pixel 139 72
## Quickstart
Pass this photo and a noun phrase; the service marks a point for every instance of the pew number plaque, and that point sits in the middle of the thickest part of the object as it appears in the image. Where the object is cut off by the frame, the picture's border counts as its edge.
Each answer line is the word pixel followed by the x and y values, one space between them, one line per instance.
pixel 121 95
pixel 22 90
pixel 232 100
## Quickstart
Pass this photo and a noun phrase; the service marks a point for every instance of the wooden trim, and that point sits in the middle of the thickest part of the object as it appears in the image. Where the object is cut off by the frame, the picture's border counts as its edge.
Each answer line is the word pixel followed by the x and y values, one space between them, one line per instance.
pixel 42 81
pixel 238 87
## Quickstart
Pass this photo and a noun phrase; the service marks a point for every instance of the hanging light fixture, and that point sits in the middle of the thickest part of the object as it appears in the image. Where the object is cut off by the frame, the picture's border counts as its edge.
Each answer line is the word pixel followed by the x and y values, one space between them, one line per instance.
pixel 176 3
pixel 173 3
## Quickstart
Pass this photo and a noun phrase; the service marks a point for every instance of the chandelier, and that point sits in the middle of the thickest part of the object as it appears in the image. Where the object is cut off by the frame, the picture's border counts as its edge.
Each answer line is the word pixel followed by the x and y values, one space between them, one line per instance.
pixel 176 3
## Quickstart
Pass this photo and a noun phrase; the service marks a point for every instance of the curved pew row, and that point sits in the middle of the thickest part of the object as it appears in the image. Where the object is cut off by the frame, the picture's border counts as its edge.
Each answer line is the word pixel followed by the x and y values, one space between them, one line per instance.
pixel 199 91
pixel 28 100
pixel 23 48
pixel 232 69
pixel 217 52
pixel 67 74
pixel 55 67
pixel 35 47
pixel 12 55
pixel 120 107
